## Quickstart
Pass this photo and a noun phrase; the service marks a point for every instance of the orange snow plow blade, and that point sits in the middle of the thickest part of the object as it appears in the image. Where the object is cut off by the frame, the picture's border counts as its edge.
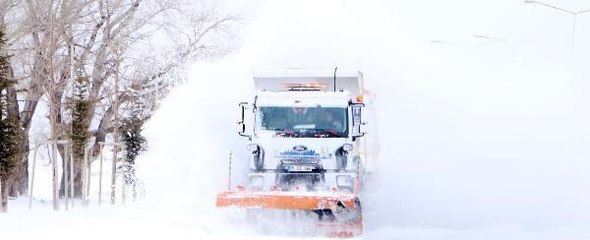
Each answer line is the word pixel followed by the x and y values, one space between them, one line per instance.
pixel 333 202
pixel 284 200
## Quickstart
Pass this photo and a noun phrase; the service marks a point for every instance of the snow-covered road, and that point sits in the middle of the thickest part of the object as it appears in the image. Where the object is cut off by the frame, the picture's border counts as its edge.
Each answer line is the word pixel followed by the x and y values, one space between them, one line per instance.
pixel 139 221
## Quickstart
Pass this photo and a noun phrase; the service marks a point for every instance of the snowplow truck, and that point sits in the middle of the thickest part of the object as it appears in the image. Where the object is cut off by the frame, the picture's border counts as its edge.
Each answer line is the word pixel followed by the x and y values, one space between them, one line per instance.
pixel 307 140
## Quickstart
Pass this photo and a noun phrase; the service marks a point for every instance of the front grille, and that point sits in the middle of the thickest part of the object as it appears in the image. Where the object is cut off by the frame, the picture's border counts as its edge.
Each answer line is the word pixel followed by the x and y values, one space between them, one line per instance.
pixel 308 181
pixel 300 160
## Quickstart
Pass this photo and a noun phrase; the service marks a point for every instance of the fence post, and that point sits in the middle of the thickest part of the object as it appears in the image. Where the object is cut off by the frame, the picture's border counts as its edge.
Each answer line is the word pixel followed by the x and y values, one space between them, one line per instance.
pixel 71 153
pixel 66 176
pixel 229 172
pixel 54 180
pixel 114 173
pixel 83 179
pixel 33 176
pixel 123 172
pixel 101 146
pixel 88 175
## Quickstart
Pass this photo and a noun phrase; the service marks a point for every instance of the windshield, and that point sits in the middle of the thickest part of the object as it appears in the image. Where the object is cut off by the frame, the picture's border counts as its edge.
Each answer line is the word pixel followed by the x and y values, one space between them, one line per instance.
pixel 305 121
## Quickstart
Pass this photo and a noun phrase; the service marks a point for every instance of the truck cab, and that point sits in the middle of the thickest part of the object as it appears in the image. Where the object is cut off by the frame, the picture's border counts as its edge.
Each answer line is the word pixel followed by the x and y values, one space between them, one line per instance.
pixel 305 131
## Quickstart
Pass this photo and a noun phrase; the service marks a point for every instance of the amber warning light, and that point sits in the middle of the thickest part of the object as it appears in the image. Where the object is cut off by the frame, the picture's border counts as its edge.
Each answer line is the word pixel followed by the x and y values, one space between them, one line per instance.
pixel 359 98
pixel 304 86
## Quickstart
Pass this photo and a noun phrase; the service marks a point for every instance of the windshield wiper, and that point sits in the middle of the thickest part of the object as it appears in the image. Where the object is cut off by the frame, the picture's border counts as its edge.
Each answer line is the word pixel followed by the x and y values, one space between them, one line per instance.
pixel 327 133
pixel 318 133
pixel 285 132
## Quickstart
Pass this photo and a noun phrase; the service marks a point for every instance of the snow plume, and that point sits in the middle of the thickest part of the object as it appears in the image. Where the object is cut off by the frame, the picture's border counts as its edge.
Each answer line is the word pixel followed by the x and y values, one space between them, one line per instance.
pixel 190 139
pixel 483 122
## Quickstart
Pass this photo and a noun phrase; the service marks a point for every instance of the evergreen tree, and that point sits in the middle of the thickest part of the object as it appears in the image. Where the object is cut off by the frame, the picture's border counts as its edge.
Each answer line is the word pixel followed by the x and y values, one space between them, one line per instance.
pixel 10 130
pixel 80 107
pixel 130 133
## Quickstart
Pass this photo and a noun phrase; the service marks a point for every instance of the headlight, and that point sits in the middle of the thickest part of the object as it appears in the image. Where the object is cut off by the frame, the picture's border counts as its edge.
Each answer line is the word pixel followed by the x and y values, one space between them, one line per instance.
pixel 256 182
pixel 252 147
pixel 347 147
pixel 344 182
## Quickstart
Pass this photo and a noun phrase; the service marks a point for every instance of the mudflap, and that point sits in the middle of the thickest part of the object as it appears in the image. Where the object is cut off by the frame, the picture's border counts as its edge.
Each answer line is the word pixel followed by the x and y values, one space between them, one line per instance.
pixel 336 214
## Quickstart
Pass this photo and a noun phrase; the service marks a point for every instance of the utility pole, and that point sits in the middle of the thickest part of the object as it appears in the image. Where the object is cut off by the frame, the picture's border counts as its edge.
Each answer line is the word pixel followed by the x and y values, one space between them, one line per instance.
pixel 573 13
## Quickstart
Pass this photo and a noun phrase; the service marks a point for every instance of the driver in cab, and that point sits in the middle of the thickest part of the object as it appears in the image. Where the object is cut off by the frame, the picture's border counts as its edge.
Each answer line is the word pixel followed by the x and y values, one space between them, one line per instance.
pixel 328 121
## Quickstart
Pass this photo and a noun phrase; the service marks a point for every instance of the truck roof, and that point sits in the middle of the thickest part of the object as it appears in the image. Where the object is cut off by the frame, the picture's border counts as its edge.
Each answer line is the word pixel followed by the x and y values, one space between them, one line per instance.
pixel 324 80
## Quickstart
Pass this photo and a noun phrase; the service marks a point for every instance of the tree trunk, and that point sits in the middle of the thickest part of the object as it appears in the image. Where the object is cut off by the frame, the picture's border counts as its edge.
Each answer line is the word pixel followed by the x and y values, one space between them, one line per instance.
pixel 65 173
pixel 21 177
pixel 105 125
pixel 65 176
pixel 78 177
pixel 20 184
pixel 4 183
pixel 20 180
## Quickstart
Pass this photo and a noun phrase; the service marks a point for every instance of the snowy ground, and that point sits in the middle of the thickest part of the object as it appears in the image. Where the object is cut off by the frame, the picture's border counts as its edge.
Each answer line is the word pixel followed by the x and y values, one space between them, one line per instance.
pixel 486 138
pixel 137 221
pixel 130 222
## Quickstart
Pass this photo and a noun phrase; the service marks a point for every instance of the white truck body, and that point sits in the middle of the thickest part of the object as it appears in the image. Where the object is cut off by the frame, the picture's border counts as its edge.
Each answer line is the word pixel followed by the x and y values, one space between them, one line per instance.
pixel 304 156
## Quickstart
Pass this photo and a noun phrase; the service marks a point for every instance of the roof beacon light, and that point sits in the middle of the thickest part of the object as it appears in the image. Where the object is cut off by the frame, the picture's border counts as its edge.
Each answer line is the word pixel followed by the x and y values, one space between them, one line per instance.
pixel 359 98
pixel 304 86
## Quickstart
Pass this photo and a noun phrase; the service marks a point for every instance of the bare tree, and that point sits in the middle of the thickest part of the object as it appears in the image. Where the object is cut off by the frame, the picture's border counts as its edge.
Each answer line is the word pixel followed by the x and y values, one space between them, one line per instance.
pixel 154 39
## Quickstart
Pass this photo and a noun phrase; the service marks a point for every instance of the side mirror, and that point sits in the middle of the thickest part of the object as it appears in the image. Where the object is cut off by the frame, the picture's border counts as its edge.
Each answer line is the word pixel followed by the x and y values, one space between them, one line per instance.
pixel 363 128
pixel 241 128
pixel 358 127
pixel 241 123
